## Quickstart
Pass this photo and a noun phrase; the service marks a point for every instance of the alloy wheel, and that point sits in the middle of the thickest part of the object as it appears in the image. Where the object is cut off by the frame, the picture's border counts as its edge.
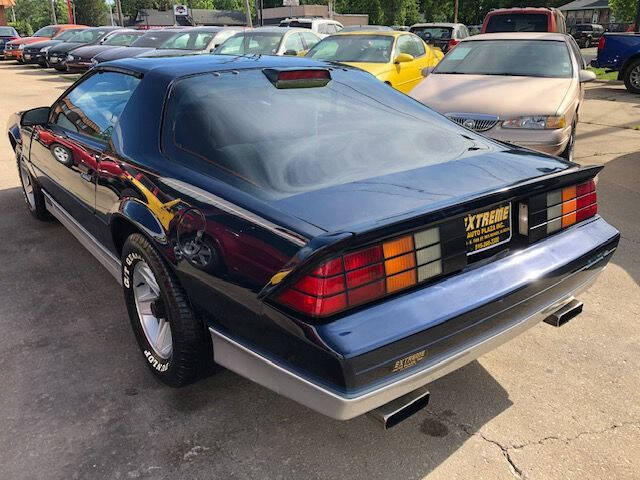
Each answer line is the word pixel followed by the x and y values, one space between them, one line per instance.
pixel 150 307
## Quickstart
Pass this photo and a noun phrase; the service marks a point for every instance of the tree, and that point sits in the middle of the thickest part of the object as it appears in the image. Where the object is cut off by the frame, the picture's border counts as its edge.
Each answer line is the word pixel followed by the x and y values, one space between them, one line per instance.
pixel 624 10
pixel 91 12
pixel 370 7
pixel 37 13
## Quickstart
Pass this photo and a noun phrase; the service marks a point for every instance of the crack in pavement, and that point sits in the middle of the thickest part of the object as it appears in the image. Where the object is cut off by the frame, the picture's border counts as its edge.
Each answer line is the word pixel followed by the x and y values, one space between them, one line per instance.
pixel 567 440
pixel 518 472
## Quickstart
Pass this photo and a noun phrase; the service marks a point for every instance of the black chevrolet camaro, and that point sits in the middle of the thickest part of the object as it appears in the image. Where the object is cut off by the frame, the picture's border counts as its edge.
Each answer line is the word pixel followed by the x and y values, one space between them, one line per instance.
pixel 304 225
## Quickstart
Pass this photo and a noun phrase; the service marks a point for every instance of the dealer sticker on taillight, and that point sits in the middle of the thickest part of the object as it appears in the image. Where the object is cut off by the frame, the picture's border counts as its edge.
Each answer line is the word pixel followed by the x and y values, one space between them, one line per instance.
pixel 488 228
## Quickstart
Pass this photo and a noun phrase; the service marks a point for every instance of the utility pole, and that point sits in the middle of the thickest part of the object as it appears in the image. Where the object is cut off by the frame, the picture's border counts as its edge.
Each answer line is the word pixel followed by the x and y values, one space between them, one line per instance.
pixel 119 13
pixel 455 12
pixel 54 20
pixel 13 14
pixel 248 12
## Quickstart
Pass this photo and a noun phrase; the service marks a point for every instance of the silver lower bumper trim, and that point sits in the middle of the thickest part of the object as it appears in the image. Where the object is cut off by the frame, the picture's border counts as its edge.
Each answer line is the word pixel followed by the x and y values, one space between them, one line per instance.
pixel 249 364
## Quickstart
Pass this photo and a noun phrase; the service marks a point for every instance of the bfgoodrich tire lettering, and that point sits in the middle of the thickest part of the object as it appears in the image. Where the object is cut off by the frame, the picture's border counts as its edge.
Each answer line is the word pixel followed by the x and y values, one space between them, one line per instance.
pixel 189 355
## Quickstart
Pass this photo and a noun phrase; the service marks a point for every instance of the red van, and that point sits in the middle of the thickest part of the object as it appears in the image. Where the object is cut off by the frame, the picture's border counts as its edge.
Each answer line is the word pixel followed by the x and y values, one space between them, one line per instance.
pixel 524 19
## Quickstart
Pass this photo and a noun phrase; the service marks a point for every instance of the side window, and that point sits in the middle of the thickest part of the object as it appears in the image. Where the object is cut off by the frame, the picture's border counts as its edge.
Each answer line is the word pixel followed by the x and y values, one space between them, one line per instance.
pixel 405 44
pixel 222 36
pixel 464 32
pixel 293 42
pixel 202 40
pixel 322 29
pixel 94 106
pixel 309 39
pixel 418 46
pixel 331 28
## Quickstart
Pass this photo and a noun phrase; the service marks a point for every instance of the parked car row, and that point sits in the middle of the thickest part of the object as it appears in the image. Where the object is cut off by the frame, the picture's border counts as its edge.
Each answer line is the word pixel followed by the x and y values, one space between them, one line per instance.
pixel 76 48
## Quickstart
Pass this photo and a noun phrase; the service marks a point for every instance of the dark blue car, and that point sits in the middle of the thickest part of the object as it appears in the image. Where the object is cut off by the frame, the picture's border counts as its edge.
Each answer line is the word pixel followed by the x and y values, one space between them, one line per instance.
pixel 307 227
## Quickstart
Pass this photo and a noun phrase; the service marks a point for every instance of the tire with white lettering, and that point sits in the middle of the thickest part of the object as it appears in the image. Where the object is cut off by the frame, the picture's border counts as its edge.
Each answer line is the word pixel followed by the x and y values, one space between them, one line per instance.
pixel 175 343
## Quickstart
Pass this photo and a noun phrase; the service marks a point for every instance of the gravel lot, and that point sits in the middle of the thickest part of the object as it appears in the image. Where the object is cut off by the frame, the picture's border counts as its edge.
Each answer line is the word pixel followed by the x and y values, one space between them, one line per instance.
pixel 77 401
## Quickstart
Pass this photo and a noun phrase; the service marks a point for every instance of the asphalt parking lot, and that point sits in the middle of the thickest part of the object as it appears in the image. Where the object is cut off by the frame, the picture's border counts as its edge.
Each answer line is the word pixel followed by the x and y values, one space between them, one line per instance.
pixel 76 401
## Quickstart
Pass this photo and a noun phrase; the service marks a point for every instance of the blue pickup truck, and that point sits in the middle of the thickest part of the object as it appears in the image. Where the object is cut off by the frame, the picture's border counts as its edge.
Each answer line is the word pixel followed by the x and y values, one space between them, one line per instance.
pixel 621 52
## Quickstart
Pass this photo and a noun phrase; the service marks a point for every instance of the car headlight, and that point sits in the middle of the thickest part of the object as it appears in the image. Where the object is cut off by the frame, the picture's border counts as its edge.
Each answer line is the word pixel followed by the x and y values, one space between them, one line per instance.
pixel 70 57
pixel 538 122
pixel 21 47
pixel 45 49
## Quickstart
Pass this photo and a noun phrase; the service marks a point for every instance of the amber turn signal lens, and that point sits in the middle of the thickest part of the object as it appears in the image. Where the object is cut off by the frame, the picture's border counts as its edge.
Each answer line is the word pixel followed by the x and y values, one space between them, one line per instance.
pixel 398 246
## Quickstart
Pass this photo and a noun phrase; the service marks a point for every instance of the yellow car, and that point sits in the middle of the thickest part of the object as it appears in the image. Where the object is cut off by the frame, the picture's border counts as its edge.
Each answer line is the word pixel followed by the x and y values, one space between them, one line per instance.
pixel 400 59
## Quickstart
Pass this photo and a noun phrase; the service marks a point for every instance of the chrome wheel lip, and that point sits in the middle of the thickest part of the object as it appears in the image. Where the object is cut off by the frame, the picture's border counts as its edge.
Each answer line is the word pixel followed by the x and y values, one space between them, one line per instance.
pixel 145 292
pixel 27 186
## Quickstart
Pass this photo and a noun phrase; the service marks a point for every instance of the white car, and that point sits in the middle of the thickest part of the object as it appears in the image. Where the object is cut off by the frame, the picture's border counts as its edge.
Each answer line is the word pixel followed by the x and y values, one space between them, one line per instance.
pixel 321 26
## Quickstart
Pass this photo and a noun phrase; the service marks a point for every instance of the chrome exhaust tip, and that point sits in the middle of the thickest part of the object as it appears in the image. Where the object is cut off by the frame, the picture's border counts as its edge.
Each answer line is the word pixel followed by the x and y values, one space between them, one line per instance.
pixel 392 413
pixel 566 313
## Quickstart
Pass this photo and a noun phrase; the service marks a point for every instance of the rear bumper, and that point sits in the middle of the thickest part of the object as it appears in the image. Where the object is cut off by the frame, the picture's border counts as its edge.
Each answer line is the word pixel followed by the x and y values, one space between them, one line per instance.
pixel 542 279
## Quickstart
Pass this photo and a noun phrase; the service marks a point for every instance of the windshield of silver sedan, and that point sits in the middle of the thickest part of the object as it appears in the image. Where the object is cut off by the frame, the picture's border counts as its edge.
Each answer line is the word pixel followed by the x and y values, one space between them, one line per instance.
pixel 353 48
pixel 528 58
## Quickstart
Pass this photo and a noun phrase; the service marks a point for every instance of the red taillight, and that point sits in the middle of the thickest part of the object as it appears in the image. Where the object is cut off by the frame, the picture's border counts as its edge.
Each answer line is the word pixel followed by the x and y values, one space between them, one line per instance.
pixel 601 43
pixel 452 43
pixel 367 274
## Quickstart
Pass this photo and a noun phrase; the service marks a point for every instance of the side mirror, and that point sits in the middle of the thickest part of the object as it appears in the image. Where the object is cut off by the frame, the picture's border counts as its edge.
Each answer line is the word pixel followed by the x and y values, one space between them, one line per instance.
pixel 426 71
pixel 586 76
pixel 292 53
pixel 35 116
pixel 403 57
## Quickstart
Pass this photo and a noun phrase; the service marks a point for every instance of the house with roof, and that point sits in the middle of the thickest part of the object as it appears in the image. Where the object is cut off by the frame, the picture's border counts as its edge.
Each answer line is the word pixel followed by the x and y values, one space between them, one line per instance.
pixel 591 11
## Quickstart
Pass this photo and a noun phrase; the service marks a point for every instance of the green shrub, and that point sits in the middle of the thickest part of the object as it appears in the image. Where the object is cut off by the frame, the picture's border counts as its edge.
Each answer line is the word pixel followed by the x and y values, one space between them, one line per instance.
pixel 23 27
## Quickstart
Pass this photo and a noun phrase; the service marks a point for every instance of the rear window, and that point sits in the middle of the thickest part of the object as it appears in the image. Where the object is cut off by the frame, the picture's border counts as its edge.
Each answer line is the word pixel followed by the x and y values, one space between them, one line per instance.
pixel 153 39
pixel 297 24
pixel 46 32
pixel 433 33
pixel 7 32
pixel 518 22
pixel 87 36
pixel 353 48
pixel 254 43
pixel 274 143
